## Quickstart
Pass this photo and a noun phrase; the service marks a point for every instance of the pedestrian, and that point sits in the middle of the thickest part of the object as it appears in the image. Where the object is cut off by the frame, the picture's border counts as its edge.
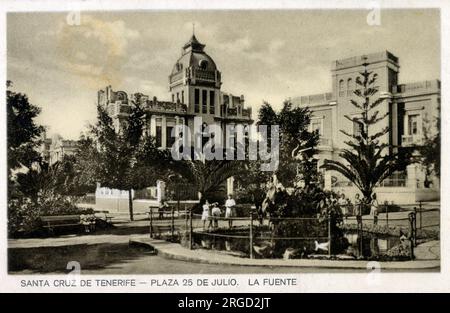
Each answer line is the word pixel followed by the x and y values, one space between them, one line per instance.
pixel 229 210
pixel 162 207
pixel 343 204
pixel 206 214
pixel 374 208
pixel 357 207
pixel 216 214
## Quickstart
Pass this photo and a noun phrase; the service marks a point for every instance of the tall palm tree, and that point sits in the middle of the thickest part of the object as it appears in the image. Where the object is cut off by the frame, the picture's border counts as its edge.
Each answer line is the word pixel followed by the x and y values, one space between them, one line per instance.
pixel 367 161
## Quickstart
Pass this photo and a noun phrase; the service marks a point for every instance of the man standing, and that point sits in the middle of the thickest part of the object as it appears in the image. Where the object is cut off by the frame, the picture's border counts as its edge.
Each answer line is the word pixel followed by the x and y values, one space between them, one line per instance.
pixel 229 205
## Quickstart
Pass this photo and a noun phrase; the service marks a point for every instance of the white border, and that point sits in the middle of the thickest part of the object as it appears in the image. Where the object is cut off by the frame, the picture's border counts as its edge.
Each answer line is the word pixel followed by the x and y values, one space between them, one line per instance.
pixel 345 282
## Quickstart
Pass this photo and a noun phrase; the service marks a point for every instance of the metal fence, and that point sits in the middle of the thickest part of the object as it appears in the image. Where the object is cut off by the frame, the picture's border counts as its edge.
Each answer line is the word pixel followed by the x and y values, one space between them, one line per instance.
pixel 185 222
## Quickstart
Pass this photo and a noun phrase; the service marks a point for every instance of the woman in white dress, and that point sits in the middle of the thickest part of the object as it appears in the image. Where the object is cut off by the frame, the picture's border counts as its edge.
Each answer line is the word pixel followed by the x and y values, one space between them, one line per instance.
pixel 205 215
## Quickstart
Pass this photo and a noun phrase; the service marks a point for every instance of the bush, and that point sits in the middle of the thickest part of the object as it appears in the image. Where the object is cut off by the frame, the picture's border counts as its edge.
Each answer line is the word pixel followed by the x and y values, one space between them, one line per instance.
pixel 24 214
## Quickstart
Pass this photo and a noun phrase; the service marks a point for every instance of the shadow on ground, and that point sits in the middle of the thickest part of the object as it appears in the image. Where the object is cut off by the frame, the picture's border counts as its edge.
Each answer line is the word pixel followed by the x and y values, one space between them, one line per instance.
pixel 55 259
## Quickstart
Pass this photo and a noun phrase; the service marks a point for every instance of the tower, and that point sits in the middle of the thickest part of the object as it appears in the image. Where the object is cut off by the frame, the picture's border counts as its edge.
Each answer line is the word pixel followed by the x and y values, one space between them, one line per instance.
pixel 195 81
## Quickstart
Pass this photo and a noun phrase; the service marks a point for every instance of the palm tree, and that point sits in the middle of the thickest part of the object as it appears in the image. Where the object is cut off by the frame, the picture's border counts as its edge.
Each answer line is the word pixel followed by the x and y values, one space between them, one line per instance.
pixel 368 161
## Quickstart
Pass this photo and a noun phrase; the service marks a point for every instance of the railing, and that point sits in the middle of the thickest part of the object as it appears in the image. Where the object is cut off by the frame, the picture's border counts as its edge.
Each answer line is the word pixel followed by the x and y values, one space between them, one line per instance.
pixel 176 77
pixel 410 140
pixel 184 223
pixel 167 106
pixel 320 98
pixel 204 75
pixel 419 86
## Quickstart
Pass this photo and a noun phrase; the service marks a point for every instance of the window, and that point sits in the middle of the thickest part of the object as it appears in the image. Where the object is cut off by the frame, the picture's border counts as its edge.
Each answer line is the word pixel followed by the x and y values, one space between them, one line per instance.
pixel 169 139
pixel 173 98
pixel 204 101
pixel 316 125
pixel 203 64
pixel 182 96
pixel 158 136
pixel 178 97
pixel 341 87
pixel 197 100
pixel 212 108
pixel 349 87
pixel 413 124
pixel 357 127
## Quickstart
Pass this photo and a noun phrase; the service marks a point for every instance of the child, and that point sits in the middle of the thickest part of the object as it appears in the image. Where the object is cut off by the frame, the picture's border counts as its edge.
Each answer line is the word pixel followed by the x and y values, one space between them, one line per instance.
pixel 216 214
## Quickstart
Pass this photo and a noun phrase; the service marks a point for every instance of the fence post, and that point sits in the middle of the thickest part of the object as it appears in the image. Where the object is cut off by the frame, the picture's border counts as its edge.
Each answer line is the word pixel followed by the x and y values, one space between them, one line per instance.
pixel 420 214
pixel 185 220
pixel 329 234
pixel 415 225
pixel 151 222
pixel 412 239
pixel 251 234
pixel 172 223
pixel 190 229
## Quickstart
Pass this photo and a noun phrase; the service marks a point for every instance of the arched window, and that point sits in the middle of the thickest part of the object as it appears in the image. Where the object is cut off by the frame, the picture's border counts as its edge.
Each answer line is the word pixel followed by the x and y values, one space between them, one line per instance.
pixel 341 87
pixel 349 86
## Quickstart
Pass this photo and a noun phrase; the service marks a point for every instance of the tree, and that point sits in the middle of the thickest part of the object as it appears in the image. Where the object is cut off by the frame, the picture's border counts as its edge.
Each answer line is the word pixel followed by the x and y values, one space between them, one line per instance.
pixel 368 161
pixel 207 177
pixel 126 158
pixel 430 151
pixel 23 132
pixel 297 143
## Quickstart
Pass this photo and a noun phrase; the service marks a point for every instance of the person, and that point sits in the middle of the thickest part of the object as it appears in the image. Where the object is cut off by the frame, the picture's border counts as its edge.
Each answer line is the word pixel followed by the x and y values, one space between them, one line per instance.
pixel 374 208
pixel 343 204
pixel 206 215
pixel 162 207
pixel 357 208
pixel 229 208
pixel 216 214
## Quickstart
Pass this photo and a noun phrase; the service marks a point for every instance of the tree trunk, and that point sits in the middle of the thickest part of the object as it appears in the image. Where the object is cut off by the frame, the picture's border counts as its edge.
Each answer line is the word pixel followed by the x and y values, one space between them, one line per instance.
pixel 130 204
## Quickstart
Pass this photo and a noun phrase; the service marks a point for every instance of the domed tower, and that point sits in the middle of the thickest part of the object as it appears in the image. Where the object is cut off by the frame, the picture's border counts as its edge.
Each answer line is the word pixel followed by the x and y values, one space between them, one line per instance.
pixel 195 81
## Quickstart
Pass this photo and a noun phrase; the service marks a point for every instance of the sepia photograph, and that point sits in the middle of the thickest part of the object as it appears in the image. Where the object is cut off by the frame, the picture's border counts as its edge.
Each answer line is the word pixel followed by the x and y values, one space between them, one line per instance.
pixel 149 142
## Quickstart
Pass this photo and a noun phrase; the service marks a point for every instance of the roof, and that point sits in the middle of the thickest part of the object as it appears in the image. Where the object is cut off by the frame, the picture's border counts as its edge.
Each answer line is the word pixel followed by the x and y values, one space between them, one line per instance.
pixel 193 56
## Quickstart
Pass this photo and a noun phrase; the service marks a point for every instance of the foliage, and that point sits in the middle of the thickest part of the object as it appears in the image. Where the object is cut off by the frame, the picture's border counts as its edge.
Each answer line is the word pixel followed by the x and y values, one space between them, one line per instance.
pixel 367 162
pixel 24 214
pixel 297 143
pixel 126 157
pixel 430 150
pixel 207 176
pixel 23 132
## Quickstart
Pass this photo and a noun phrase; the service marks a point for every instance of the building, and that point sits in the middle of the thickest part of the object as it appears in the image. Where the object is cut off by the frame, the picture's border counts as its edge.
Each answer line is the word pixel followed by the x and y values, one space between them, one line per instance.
pixel 194 90
pixel 54 149
pixel 412 109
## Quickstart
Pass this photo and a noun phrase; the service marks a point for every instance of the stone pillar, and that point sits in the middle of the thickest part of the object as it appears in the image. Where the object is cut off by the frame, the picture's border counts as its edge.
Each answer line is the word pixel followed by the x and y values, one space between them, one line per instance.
pixel 164 131
pixel 411 172
pixel 327 178
pixel 160 191
pixel 230 185
pixel 153 126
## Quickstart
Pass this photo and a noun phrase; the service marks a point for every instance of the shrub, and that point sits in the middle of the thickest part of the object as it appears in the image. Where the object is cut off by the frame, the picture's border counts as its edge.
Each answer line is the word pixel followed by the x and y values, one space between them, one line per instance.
pixel 24 214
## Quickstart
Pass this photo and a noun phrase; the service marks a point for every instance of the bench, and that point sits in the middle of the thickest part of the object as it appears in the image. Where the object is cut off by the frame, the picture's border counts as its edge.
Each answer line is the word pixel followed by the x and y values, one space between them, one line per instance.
pixel 55 221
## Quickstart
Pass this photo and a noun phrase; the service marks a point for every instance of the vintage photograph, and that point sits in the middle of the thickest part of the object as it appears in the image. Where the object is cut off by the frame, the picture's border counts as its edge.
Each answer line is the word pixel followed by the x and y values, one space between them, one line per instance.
pixel 223 141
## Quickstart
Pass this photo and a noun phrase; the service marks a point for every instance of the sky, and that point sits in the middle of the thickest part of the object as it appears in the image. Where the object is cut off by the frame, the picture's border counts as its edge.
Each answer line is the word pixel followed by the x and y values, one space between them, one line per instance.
pixel 264 55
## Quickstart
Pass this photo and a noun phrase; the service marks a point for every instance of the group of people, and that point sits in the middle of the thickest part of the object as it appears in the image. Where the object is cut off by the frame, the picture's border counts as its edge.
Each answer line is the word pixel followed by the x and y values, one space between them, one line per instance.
pixel 353 208
pixel 212 212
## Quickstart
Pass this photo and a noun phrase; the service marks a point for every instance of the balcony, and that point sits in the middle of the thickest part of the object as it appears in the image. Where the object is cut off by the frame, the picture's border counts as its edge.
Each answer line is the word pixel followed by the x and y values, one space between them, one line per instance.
pixel 204 75
pixel 163 106
pixel 412 140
